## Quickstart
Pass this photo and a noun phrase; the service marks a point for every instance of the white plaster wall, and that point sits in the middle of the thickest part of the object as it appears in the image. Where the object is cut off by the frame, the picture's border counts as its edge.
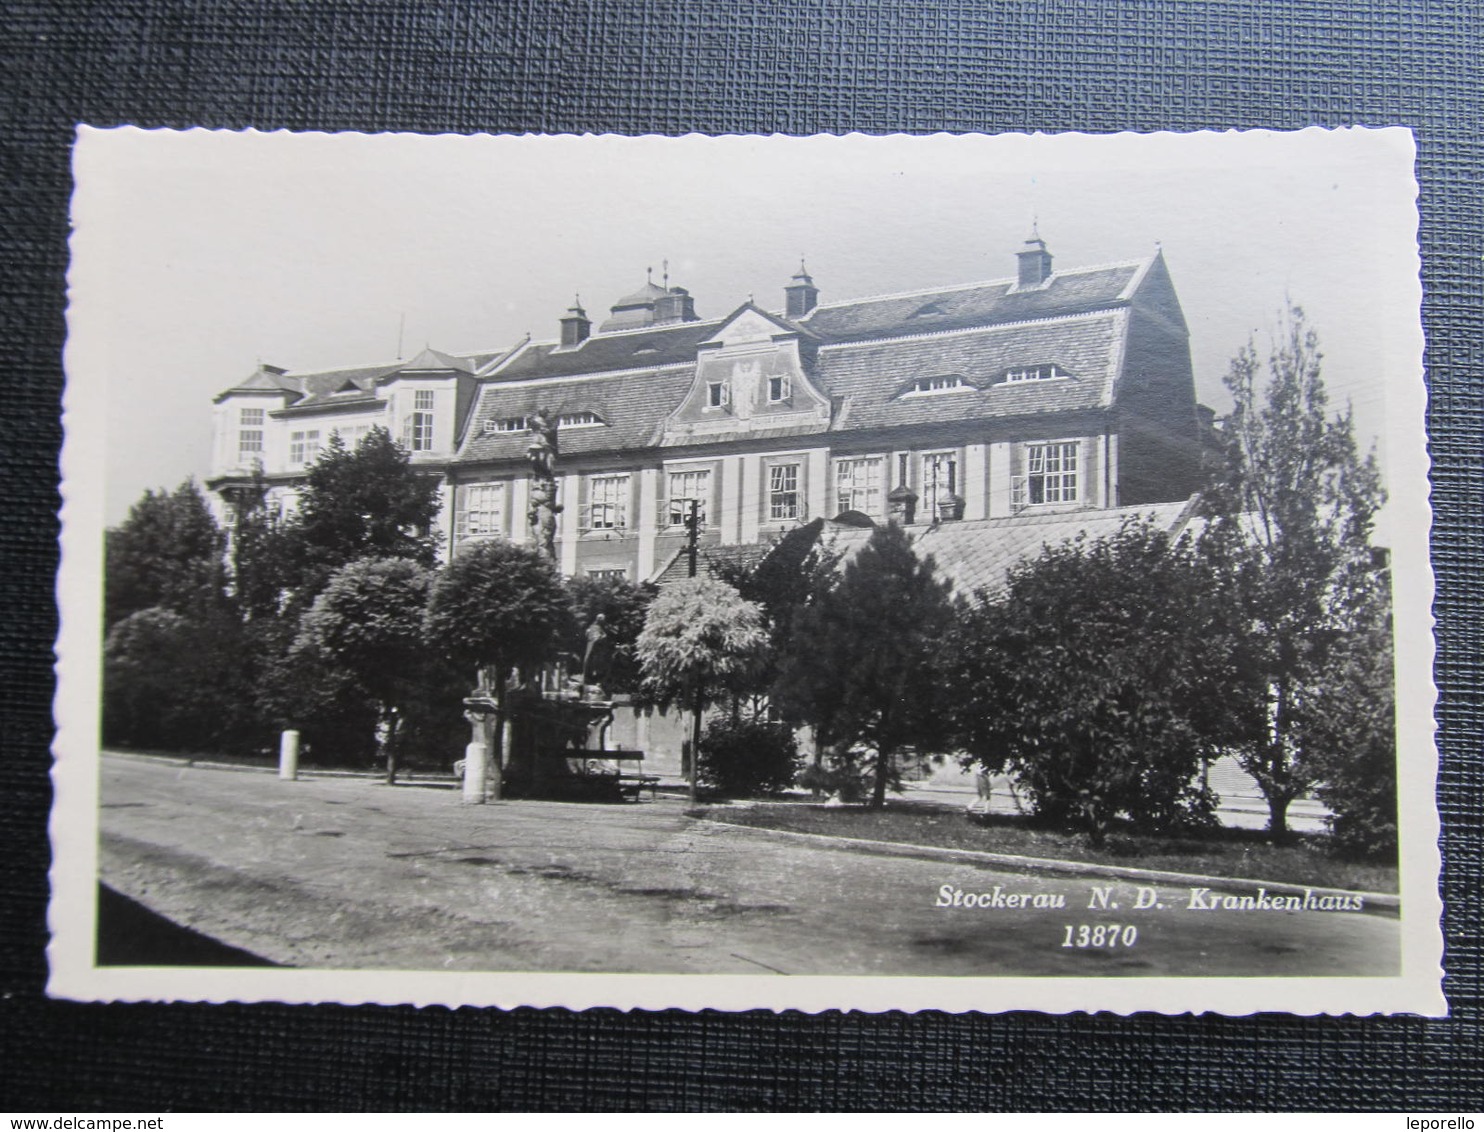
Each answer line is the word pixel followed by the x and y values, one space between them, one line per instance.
pixel 976 481
pixel 647 519
pixel 999 479
pixel 818 485
pixel 517 499
pixel 730 519
pixel 752 498
pixel 567 524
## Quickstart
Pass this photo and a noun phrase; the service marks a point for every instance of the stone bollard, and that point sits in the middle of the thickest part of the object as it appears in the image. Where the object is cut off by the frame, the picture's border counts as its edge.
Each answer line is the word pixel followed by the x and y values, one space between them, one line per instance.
pixel 288 756
pixel 476 768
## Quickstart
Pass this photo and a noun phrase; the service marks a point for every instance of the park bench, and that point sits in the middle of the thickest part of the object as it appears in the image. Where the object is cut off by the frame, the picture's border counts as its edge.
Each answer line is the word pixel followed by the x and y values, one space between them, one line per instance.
pixel 601 775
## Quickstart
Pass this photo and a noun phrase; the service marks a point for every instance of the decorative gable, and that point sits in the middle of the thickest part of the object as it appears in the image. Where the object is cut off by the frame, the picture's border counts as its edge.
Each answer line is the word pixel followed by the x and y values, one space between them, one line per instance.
pixel 750 379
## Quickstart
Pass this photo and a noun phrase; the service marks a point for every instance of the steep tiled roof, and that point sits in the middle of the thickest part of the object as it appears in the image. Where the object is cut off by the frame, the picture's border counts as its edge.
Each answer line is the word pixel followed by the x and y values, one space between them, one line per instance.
pixel 632 406
pixel 431 359
pixel 977 304
pixel 979 554
pixel 629 349
pixel 872 376
pixel 709 557
pixel 323 383
pixel 843 540
pixel 265 379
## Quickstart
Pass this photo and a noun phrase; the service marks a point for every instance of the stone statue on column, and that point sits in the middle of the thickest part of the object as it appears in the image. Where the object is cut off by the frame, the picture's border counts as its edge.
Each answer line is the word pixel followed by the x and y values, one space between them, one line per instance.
pixel 544 508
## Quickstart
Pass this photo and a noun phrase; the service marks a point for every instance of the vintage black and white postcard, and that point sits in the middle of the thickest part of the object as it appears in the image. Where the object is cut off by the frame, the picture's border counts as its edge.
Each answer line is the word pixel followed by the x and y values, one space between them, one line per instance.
pixel 952 572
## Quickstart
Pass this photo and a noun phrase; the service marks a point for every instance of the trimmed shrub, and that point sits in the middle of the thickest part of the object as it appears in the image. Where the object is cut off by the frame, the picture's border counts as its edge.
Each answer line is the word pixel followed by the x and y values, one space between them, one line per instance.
pixel 741 759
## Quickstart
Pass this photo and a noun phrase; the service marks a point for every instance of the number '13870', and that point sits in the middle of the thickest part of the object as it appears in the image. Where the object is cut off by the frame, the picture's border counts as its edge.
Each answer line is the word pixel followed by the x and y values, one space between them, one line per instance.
pixel 1100 935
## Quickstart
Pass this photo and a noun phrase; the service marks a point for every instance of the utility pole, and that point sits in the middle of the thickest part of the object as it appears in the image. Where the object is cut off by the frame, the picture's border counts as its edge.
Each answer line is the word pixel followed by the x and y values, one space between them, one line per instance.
pixel 692 538
pixel 693 533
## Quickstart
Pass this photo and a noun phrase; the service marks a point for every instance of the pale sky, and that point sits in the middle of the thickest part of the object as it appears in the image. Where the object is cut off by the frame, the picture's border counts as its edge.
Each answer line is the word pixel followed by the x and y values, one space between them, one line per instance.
pixel 196 254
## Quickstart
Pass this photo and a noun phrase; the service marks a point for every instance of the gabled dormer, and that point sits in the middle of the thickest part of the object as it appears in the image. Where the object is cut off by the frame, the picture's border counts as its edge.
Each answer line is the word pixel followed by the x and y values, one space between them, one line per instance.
pixel 426 399
pixel 752 376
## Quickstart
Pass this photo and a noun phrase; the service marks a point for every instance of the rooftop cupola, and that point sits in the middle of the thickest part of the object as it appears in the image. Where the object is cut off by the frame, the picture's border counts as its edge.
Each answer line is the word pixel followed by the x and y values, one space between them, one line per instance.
pixel 674 304
pixel 1035 262
pixel 575 324
pixel 651 305
pixel 801 293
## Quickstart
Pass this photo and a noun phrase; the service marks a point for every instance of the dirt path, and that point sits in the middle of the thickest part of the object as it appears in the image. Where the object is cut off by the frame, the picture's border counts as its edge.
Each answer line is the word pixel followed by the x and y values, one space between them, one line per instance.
pixel 348 873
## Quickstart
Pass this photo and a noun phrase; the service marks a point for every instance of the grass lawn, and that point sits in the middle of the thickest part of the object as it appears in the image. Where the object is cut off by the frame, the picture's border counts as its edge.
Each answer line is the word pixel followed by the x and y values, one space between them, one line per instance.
pixel 1228 852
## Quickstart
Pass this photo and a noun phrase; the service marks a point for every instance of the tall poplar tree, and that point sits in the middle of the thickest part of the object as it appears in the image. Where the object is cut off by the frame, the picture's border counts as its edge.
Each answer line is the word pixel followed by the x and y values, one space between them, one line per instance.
pixel 1293 506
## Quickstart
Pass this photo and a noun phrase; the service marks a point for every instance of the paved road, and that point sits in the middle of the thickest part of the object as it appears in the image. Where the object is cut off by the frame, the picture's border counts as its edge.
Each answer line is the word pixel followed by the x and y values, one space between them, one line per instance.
pixel 347 873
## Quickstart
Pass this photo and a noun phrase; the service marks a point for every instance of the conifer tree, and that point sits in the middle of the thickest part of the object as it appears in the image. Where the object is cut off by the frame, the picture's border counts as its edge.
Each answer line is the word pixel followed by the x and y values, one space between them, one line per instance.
pixel 866 664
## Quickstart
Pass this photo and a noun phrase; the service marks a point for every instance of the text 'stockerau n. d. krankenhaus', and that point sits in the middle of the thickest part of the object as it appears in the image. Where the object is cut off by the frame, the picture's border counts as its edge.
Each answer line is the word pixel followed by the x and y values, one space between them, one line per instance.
pixel 991 418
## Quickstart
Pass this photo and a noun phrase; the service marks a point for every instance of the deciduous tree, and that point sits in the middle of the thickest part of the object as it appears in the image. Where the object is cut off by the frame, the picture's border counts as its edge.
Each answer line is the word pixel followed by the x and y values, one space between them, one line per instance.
pixel 608 654
pixel 700 638
pixel 500 607
pixel 368 620
pixel 1092 678
pixel 1293 505
pixel 167 554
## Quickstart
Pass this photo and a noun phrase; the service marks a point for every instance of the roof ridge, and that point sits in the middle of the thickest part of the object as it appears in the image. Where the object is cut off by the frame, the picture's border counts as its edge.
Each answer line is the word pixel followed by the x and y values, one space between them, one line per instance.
pixel 492 381
pixel 979 328
pixel 606 334
pixel 1008 280
pixel 344 369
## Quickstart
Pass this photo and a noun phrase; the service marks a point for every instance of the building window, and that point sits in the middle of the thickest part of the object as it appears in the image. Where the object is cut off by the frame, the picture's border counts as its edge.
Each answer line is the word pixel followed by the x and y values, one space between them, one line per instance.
pixel 608 503
pixel 783 492
pixel 1034 373
pixel 352 434
pixel 779 389
pixel 858 485
pixel 939 477
pixel 716 395
pixel 418 436
pixel 685 486
pixel 482 510
pixel 614 574
pixel 579 420
pixel 943 383
pixel 508 424
pixel 250 435
pixel 1051 473
pixel 303 447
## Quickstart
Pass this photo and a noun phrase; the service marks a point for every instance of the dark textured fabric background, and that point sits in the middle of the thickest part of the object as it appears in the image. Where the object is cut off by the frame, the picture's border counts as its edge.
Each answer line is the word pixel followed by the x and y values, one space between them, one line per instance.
pixel 721 66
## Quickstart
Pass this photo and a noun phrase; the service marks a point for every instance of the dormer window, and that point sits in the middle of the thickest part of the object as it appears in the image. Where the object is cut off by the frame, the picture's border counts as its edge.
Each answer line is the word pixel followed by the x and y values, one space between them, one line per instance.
pixel 507 424
pixel 580 420
pixel 717 396
pixel 1047 372
pixel 780 389
pixel 943 383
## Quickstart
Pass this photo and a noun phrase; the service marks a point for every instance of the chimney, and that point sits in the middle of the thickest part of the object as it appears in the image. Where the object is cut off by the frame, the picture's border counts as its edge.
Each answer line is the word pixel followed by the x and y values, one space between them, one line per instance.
pixel 575 324
pixel 802 295
pixel 1035 262
pixel 675 305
